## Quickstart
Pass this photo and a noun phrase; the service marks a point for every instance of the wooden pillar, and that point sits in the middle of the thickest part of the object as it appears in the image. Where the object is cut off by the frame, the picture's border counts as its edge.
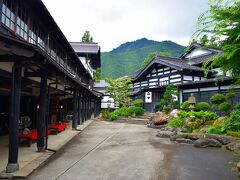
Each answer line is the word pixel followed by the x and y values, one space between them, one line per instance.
pixel 95 108
pixel 82 109
pixel 79 110
pixel 74 110
pixel 41 123
pixel 89 108
pixel 12 165
pixel 86 108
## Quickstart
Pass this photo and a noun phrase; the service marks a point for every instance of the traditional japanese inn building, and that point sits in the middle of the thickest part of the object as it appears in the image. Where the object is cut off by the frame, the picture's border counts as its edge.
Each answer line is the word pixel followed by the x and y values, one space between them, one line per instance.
pixel 185 72
pixel 42 78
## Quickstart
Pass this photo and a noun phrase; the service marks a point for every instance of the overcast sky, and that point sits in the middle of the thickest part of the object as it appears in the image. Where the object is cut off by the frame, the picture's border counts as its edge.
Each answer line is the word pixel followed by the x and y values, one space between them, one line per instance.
pixel 113 22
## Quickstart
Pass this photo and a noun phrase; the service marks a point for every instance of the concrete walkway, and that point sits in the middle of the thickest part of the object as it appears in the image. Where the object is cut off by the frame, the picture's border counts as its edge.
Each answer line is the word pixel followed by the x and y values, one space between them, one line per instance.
pixel 120 151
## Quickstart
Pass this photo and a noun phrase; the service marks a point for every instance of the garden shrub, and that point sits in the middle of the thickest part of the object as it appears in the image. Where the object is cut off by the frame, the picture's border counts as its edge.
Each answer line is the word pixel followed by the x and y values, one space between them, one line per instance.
pixel 217 99
pixel 114 115
pixel 205 115
pixel 167 109
pixel 161 104
pixel 106 114
pixel 138 103
pixel 233 122
pixel 123 111
pixel 193 123
pixel 219 122
pixel 234 134
pixel 185 106
pixel 126 111
pixel 213 130
pixel 175 123
pixel 202 106
pixel 137 110
pixel 176 104
pixel 237 106
pixel 225 107
pixel 230 95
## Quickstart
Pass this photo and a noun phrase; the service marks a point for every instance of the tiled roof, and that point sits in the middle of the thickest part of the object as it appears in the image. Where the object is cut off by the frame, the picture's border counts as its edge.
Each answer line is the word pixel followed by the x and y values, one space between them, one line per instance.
pixel 177 63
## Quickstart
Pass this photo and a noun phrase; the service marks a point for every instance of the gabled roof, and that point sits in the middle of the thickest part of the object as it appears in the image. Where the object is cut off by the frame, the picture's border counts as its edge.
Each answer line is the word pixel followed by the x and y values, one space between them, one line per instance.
pixel 90 48
pixel 195 46
pixel 175 63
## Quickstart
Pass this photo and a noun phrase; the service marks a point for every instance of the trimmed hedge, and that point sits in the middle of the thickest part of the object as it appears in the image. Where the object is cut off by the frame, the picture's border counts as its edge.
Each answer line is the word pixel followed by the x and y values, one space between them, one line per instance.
pixel 126 111
pixel 202 106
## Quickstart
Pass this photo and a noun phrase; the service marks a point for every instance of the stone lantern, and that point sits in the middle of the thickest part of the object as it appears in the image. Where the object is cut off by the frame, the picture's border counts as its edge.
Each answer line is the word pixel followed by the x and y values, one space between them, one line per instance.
pixel 192 102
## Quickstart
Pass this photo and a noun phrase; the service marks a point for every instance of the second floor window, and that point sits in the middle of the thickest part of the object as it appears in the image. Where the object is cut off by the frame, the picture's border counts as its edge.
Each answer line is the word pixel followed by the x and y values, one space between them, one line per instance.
pixel 8 17
pixel 22 27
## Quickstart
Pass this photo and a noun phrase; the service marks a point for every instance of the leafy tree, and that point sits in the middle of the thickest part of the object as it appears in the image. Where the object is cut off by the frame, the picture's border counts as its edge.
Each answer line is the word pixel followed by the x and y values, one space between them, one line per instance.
pixel 87 38
pixel 168 102
pixel 170 94
pixel 97 75
pixel 150 56
pixel 222 24
pixel 119 90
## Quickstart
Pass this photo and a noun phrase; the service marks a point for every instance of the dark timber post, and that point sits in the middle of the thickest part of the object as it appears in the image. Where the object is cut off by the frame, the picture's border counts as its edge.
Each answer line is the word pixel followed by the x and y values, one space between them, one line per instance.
pixel 88 108
pixel 74 110
pixel 41 124
pixel 85 109
pixel 14 118
pixel 79 110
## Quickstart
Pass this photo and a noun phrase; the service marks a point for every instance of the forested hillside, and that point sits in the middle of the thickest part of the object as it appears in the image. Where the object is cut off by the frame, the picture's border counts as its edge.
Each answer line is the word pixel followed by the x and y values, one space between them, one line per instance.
pixel 128 57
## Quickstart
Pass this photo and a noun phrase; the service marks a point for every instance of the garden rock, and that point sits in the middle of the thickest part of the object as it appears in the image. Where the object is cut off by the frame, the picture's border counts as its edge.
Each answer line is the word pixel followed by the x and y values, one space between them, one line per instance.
pixel 181 130
pixel 205 142
pixel 176 136
pixel 221 138
pixel 165 134
pixel 159 119
pixel 184 141
pixel 234 146
pixel 173 113
pixel 238 166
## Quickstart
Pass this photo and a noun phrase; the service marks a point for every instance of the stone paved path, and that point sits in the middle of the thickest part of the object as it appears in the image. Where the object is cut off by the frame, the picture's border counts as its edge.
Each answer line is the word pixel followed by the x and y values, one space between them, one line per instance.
pixel 120 151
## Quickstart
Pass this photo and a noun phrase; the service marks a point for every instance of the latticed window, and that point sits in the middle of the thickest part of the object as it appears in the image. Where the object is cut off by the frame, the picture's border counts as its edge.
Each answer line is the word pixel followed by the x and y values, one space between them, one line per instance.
pixel 8 17
pixel 22 27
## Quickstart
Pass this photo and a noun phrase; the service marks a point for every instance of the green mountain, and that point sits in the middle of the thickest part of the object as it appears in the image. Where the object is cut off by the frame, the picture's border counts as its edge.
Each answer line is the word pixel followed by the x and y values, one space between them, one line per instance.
pixel 128 57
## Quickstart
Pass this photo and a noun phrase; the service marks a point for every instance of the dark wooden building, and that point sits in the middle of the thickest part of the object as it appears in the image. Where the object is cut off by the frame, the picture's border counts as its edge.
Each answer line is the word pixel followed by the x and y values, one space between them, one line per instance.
pixel 41 76
pixel 185 72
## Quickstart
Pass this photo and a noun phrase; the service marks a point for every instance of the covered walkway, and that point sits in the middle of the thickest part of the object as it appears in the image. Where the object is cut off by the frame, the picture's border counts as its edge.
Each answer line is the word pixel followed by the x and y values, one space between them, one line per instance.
pixel 29 158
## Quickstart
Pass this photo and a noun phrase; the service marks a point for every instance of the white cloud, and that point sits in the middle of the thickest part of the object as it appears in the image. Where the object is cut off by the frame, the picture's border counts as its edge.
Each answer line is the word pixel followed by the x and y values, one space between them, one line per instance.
pixel 113 22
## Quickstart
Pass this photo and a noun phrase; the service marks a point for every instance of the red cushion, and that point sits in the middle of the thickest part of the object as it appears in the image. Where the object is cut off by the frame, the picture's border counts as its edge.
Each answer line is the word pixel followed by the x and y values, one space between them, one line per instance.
pixel 31 135
pixel 59 126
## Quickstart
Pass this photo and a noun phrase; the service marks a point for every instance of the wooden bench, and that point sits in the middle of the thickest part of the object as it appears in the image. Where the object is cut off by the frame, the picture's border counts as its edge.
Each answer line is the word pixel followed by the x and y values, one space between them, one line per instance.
pixel 30 136
pixel 58 127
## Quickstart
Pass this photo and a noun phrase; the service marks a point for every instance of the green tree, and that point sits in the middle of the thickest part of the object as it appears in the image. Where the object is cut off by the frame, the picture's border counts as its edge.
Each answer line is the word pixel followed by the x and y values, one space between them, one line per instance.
pixel 97 75
pixel 150 56
pixel 170 94
pixel 87 38
pixel 119 90
pixel 222 24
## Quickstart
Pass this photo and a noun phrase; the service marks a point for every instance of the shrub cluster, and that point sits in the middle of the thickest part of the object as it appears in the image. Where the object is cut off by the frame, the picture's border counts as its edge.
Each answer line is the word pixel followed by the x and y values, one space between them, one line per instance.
pixel 205 115
pixel 202 106
pixel 106 114
pixel 185 106
pixel 232 123
pixel 192 120
pixel 138 103
pixel 127 111
pixel 175 123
